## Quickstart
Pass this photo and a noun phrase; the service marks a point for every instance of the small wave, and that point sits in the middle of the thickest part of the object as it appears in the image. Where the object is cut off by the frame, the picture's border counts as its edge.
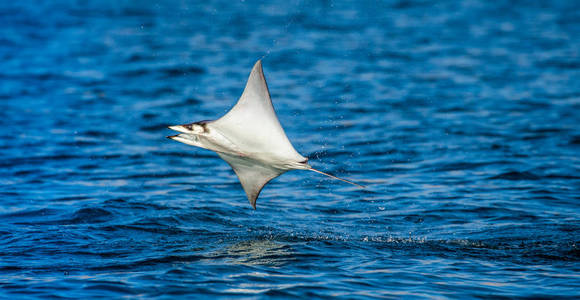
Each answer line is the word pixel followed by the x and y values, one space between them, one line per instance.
pixel 32 213
pixel 89 216
pixel 167 72
pixel 515 175
pixel 71 198
pixel 154 127
pixel 181 70
pixel 575 140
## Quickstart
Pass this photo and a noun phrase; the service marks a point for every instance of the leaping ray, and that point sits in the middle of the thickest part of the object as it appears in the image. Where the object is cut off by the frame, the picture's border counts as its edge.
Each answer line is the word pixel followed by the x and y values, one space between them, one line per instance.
pixel 249 138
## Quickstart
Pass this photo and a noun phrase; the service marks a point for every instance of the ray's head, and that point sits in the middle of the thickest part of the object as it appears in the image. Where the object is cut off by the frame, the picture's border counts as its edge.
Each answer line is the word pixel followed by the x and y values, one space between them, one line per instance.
pixel 189 132
pixel 193 128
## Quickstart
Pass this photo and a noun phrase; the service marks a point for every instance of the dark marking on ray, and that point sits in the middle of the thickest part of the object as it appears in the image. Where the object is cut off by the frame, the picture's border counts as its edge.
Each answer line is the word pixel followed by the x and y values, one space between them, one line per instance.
pixel 203 125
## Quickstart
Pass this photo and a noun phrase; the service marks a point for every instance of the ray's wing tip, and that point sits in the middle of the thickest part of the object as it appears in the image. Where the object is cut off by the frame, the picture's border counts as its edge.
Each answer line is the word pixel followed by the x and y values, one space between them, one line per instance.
pixel 257 65
pixel 253 201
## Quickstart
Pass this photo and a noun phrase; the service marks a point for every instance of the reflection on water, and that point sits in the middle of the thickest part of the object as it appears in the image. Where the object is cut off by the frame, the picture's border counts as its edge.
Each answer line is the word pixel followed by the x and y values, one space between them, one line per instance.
pixel 258 252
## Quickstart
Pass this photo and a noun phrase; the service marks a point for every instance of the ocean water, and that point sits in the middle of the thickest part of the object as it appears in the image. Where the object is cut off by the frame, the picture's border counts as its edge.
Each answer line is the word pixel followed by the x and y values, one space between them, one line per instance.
pixel 462 118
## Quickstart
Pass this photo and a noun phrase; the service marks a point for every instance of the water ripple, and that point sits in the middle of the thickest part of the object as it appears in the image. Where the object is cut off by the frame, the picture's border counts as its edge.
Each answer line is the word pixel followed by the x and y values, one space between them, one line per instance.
pixel 459 117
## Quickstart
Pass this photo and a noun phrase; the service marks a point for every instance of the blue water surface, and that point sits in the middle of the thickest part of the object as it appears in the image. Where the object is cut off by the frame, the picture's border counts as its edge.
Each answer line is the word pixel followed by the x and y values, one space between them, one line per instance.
pixel 462 118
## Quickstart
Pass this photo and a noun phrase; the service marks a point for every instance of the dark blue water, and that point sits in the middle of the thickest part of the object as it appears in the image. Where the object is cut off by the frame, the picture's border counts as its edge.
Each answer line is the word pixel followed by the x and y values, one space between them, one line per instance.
pixel 461 118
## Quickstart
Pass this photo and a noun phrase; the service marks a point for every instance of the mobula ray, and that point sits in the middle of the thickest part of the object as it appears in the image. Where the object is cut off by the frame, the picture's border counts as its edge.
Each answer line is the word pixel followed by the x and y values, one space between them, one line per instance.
pixel 249 138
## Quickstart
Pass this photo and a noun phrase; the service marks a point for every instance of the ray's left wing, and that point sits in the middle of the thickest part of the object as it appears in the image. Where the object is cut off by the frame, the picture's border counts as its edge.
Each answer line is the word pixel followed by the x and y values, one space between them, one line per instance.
pixel 252 123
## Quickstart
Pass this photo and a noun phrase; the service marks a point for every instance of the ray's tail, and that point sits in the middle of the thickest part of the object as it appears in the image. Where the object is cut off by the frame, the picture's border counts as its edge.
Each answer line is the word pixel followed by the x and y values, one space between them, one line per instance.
pixel 341 179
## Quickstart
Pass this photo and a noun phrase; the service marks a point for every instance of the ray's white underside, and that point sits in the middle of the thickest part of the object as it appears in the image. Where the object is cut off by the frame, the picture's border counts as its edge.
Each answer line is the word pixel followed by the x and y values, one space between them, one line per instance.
pixel 249 138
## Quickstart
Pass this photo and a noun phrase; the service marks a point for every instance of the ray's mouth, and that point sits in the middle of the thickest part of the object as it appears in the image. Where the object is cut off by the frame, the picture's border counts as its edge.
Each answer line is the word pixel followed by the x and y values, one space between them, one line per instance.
pixel 186 138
